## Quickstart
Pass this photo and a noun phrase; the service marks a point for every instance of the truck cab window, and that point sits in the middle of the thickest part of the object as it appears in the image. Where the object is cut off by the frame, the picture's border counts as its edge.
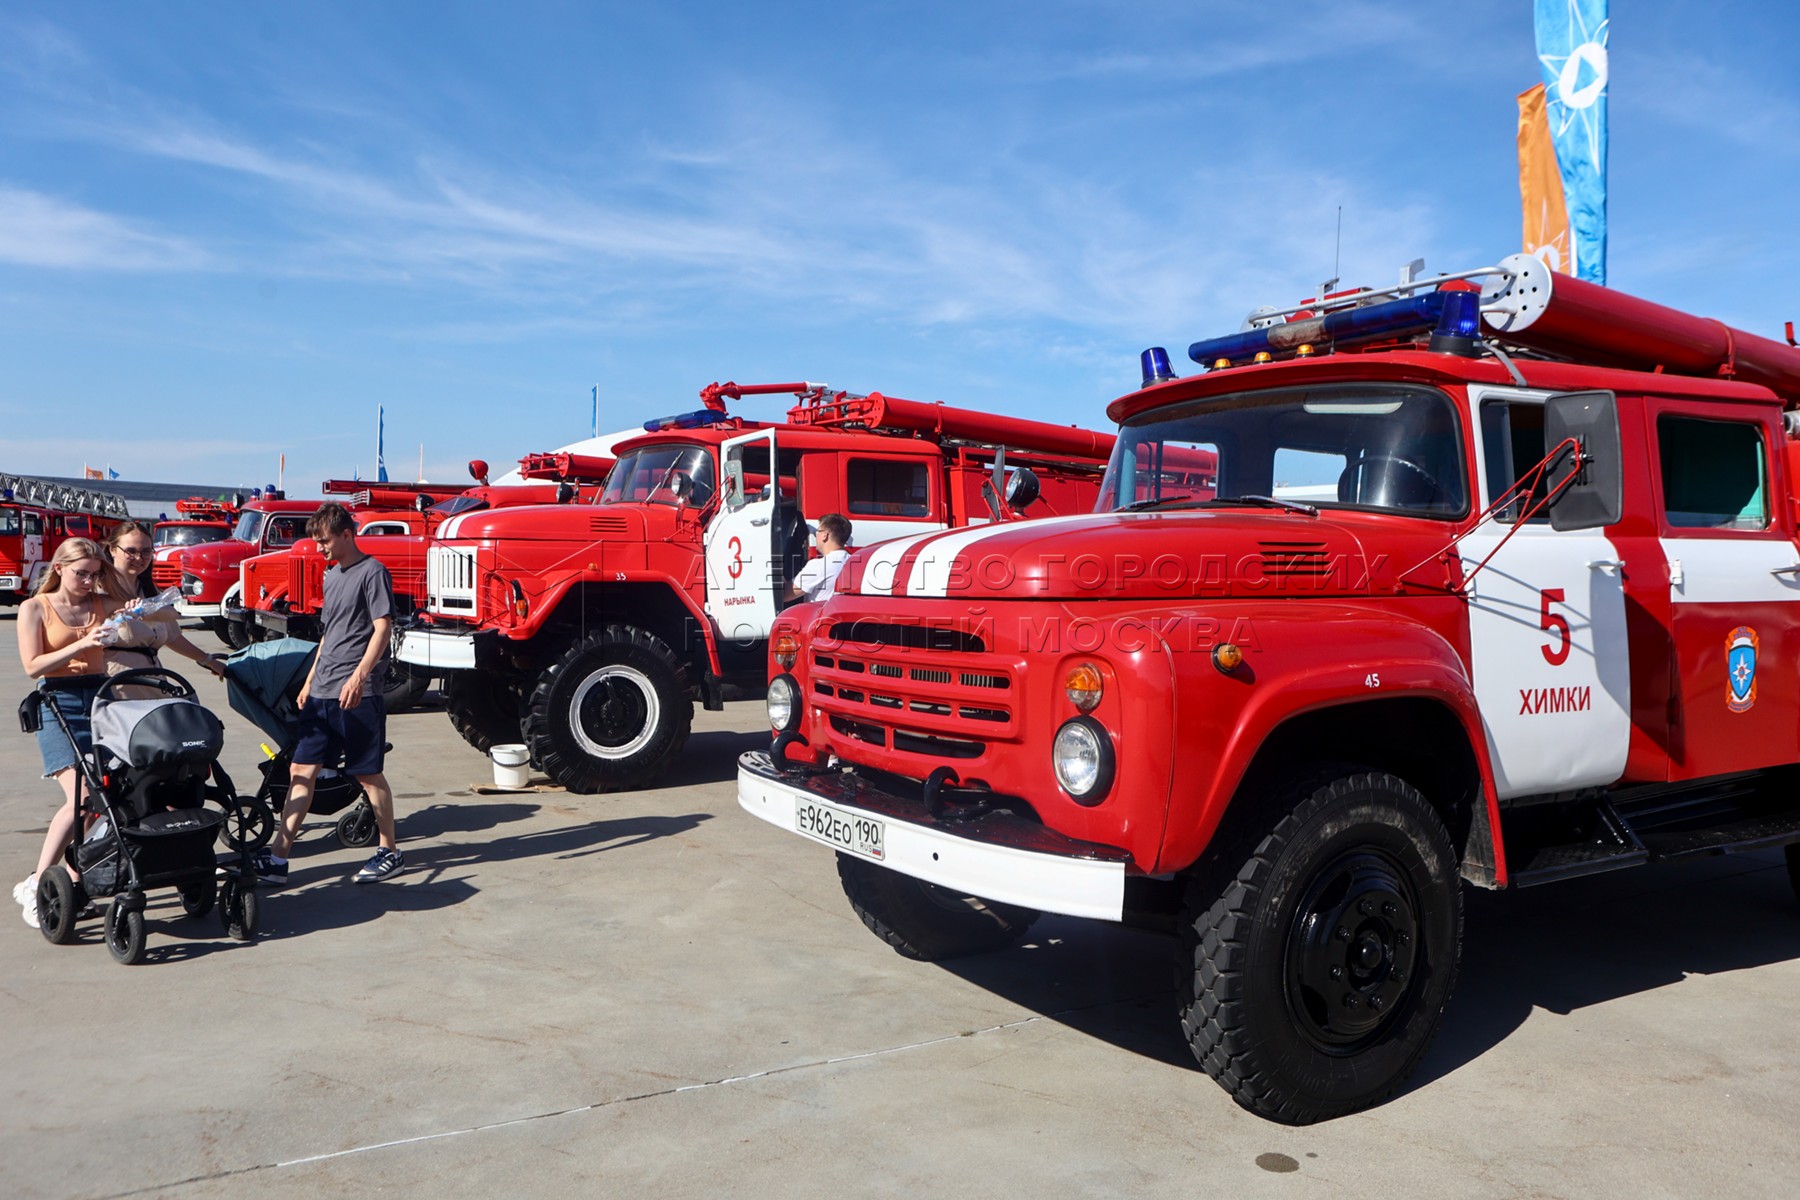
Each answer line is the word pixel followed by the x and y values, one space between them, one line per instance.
pixel 879 487
pixel 34 524
pixel 1512 444
pixel 9 522
pixel 1713 473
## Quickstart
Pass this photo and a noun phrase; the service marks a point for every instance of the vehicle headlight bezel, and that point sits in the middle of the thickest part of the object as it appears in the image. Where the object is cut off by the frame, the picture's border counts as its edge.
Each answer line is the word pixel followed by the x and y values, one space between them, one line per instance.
pixel 1082 758
pixel 784 703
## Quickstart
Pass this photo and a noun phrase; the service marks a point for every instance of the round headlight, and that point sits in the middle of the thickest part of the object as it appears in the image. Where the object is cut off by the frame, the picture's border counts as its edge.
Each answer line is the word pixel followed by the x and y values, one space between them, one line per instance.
pixel 1083 758
pixel 784 703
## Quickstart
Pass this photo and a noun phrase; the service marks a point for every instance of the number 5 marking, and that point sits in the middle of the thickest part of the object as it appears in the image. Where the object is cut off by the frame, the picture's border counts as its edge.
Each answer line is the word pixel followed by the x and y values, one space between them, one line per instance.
pixel 737 561
pixel 1548 621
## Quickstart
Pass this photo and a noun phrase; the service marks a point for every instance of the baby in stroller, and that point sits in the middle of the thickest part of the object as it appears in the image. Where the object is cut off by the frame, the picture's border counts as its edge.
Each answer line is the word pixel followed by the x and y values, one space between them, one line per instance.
pixel 140 797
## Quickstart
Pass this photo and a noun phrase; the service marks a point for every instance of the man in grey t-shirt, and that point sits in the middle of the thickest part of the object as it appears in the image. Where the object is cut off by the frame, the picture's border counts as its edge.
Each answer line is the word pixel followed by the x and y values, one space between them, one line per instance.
pixel 342 715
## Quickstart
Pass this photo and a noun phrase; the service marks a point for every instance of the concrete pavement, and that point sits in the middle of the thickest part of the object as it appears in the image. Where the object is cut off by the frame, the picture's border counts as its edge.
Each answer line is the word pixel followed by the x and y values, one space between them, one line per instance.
pixel 656 994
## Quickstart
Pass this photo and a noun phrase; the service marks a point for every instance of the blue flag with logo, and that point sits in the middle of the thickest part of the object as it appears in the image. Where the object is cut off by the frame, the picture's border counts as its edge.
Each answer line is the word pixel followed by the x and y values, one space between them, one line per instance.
pixel 1571 48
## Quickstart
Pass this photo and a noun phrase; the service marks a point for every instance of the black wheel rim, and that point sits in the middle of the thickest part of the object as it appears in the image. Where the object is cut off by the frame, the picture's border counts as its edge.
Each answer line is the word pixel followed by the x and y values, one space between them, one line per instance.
pixel 50 908
pixel 1352 952
pixel 117 938
pixel 615 711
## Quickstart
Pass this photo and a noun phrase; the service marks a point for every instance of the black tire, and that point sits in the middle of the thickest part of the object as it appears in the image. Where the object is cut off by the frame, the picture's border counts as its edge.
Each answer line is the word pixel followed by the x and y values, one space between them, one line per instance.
pixel 233 633
pixel 357 826
pixel 197 899
pixel 58 900
pixel 125 932
pixel 611 713
pixel 924 921
pixel 1316 963
pixel 403 686
pixel 249 826
pixel 485 711
pixel 240 911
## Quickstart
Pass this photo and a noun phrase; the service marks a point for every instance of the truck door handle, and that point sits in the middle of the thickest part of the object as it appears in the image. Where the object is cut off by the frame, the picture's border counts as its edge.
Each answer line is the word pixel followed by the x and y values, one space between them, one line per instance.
pixel 1793 570
pixel 1609 565
pixel 759 521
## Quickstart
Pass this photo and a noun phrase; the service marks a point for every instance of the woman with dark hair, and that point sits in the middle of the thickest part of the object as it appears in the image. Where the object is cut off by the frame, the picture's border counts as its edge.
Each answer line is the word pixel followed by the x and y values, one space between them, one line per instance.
pixel 132 549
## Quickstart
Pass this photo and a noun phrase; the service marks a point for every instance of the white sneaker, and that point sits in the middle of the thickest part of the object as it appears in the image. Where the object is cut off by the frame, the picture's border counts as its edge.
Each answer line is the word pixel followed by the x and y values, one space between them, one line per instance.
pixel 25 891
pixel 29 912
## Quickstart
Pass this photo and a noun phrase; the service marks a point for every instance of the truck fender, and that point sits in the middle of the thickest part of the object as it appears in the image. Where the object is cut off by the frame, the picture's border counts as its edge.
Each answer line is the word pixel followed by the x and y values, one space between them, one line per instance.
pixel 557 587
pixel 1416 663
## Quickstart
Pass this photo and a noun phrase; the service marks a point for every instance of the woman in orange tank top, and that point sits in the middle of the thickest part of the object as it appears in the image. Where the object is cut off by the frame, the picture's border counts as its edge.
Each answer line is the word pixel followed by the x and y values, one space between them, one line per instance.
pixel 59 646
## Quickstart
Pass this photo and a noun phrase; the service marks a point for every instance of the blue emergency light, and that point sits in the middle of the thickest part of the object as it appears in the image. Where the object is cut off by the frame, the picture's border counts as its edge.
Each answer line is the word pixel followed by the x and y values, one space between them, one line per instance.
pixel 1453 316
pixel 697 419
pixel 1155 364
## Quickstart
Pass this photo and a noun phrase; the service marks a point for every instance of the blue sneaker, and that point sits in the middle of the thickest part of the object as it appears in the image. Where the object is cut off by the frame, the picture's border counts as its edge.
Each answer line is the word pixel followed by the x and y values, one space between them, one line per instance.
pixel 268 868
pixel 385 863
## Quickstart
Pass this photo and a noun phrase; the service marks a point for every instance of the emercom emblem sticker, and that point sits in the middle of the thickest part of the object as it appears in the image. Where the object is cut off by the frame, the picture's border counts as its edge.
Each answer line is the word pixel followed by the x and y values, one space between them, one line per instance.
pixel 1740 666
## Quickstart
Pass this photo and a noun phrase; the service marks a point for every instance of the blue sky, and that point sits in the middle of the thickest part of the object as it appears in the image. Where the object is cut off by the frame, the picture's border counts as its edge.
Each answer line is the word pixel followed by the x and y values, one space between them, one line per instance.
pixel 229 231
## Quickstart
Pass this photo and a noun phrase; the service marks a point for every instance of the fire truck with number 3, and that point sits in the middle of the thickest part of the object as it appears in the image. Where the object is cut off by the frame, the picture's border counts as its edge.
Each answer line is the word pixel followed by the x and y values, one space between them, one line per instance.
pixel 586 632
pixel 1500 584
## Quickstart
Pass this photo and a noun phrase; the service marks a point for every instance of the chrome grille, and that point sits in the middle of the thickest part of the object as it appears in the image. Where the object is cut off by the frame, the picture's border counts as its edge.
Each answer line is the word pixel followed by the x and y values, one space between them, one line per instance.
pixel 450 580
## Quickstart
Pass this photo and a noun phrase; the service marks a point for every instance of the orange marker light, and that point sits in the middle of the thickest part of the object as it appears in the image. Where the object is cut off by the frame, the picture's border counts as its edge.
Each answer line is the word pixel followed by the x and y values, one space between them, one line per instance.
pixel 787 650
pixel 1219 364
pixel 1305 350
pixel 1084 686
pixel 1263 356
pixel 1227 657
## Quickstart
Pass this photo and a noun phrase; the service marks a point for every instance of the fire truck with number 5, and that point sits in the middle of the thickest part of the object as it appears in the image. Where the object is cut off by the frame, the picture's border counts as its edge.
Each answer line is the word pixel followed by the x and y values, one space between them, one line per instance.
pixel 1500 584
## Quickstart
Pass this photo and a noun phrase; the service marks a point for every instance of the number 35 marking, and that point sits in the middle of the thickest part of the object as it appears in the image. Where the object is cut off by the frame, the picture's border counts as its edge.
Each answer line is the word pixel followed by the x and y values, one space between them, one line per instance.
pixel 1553 622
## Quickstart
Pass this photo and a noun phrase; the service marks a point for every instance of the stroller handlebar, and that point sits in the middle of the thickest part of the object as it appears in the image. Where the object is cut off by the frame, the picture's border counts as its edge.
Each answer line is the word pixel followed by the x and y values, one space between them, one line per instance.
pixel 161 678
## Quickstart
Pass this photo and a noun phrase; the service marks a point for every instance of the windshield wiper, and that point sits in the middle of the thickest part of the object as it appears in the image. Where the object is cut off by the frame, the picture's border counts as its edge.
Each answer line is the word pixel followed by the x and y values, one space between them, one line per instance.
pixel 1163 502
pixel 1267 502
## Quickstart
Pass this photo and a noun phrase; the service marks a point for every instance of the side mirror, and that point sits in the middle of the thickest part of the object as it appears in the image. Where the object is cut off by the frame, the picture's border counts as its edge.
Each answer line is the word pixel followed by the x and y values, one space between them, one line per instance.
pixel 565 492
pixel 478 470
pixel 1022 489
pixel 422 502
pixel 1596 495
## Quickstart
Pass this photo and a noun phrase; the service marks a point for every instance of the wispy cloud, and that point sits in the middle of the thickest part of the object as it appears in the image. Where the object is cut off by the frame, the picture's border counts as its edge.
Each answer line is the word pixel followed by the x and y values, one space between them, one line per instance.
pixel 37 230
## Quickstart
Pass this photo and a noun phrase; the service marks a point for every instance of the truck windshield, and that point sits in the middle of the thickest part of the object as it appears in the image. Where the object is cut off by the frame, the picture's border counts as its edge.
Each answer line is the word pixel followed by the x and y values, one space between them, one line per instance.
pixel 457 504
pixel 672 475
pixel 249 528
pixel 1388 447
pixel 9 522
pixel 188 535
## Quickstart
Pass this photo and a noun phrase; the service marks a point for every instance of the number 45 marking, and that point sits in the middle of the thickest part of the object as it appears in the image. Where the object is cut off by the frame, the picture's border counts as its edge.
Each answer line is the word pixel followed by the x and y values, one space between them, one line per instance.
pixel 1553 622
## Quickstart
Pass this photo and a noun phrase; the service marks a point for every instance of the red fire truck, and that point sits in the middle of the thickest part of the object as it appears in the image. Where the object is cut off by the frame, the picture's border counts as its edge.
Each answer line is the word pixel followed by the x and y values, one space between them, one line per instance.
pixel 197 521
pixel 1500 584
pixel 587 633
pixel 36 515
pixel 282 591
pixel 210 577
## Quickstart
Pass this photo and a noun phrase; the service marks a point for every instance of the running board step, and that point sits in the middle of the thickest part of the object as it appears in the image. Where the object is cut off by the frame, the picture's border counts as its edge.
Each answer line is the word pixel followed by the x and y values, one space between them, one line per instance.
pixel 1630 827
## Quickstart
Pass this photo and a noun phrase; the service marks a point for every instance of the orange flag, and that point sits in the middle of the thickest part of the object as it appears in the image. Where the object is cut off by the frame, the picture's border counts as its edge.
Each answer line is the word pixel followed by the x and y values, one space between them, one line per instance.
pixel 88 472
pixel 1540 187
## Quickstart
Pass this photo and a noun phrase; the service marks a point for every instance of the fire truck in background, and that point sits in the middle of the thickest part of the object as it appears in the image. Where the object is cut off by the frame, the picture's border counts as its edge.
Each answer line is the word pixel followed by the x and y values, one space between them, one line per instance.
pixel 36 516
pixel 282 592
pixel 197 521
pixel 210 583
pixel 1537 618
pixel 587 633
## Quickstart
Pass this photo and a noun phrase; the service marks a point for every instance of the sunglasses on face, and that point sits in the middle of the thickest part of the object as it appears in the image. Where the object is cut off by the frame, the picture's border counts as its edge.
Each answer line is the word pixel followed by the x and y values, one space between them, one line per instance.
pixel 134 551
pixel 86 576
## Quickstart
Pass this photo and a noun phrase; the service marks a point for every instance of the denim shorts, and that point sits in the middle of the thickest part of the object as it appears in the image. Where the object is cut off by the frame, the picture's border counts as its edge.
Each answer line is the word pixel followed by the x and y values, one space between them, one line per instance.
pixel 74 695
pixel 327 731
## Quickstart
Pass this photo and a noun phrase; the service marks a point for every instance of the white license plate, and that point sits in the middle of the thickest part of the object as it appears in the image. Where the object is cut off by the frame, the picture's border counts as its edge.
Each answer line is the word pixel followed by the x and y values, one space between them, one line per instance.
pixel 835 827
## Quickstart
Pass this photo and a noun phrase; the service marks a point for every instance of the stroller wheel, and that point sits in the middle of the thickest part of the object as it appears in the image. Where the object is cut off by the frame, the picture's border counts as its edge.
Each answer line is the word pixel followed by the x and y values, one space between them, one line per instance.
pixel 58 900
pixel 357 827
pixel 249 824
pixel 197 899
pixel 239 911
pixel 125 932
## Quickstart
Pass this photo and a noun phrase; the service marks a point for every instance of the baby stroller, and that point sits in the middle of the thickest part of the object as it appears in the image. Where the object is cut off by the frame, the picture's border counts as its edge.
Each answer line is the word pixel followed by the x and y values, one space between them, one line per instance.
pixel 140 796
pixel 262 681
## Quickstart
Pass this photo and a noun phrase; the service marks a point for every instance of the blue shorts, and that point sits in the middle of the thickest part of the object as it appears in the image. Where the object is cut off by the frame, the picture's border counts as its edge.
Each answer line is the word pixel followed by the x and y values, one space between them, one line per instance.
pixel 74 695
pixel 329 732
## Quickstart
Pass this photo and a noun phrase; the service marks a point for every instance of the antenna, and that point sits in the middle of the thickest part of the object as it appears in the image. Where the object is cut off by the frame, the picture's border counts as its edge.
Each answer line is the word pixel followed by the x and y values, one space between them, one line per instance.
pixel 1337 252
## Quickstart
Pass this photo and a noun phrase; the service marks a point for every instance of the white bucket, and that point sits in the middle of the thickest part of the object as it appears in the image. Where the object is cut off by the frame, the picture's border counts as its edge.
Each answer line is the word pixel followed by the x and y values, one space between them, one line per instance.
pixel 512 766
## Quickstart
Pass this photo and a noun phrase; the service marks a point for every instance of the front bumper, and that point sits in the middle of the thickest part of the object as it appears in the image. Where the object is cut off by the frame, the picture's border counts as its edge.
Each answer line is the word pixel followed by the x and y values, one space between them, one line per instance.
pixel 997 856
pixel 11 583
pixel 187 608
pixel 438 651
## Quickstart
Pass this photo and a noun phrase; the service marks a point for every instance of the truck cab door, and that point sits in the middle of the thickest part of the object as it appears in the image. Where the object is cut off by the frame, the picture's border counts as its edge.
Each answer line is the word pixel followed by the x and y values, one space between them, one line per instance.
pixel 31 563
pixel 742 576
pixel 1548 649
